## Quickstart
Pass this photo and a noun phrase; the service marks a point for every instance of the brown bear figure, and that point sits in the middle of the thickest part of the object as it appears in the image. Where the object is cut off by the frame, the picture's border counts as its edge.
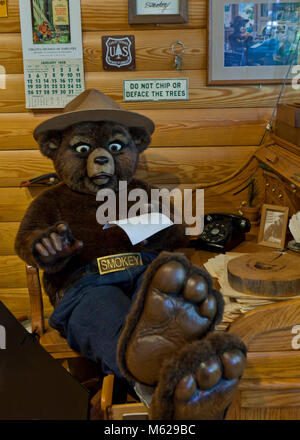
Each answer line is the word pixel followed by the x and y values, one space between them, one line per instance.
pixel 150 322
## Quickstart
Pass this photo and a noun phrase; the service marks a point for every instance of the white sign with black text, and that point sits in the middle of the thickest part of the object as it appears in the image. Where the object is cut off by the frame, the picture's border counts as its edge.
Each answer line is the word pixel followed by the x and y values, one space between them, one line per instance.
pixel 166 89
pixel 147 7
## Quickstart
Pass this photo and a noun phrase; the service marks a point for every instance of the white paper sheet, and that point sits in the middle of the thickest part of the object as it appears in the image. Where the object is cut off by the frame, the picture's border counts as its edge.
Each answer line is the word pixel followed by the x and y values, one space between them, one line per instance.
pixel 143 226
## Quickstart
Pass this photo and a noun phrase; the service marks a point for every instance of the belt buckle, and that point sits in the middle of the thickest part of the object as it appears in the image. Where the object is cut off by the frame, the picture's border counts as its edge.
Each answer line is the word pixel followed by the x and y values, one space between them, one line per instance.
pixel 119 262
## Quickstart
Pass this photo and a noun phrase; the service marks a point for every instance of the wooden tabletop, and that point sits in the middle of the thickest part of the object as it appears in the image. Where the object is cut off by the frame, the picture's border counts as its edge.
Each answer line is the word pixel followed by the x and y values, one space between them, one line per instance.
pixel 250 245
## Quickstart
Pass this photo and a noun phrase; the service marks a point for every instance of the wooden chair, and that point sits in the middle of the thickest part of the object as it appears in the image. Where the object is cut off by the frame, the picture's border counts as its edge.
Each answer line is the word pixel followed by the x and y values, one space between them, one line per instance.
pixel 84 370
pixel 131 410
pixel 50 339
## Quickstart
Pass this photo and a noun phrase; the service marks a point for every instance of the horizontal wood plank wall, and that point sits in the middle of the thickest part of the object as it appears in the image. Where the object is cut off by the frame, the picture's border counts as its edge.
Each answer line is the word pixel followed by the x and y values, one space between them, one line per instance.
pixel 102 15
pixel 13 97
pixel 198 141
pixel 176 127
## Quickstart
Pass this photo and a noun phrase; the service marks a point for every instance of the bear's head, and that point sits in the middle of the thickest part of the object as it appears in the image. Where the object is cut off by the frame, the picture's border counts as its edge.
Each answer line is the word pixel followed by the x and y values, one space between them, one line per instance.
pixel 94 143
pixel 89 156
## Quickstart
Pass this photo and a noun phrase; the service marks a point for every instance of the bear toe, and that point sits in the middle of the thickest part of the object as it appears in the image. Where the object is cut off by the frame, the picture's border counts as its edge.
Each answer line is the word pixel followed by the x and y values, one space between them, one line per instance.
pixel 208 309
pixel 169 278
pixel 196 289
pixel 234 362
pixel 208 373
pixel 185 389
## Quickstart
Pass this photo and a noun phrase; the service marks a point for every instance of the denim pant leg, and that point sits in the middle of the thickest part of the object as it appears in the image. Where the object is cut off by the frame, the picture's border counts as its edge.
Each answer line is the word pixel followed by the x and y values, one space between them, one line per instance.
pixel 96 324
pixel 92 314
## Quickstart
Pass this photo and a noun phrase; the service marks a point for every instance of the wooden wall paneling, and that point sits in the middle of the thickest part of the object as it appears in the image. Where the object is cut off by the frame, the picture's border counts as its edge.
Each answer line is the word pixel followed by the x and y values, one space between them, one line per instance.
pixel 8 231
pixel 204 139
pixel 15 201
pixel 164 165
pixel 19 166
pixel 219 197
pixel 153 50
pixel 17 301
pixel 12 99
pixel 191 165
pixel 97 15
pixel 11 55
pixel 12 272
pixel 177 127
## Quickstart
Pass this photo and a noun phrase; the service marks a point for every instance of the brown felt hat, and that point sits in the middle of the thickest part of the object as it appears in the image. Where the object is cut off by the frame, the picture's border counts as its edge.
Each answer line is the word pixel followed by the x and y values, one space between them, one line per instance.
pixel 93 106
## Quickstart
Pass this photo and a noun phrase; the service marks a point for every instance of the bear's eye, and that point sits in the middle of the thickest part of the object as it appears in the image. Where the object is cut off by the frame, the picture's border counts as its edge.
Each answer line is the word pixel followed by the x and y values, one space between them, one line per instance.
pixel 115 147
pixel 83 148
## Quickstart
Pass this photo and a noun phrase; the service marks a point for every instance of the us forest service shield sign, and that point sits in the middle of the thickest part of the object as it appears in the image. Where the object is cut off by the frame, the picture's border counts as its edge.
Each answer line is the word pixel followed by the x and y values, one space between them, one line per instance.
pixel 118 52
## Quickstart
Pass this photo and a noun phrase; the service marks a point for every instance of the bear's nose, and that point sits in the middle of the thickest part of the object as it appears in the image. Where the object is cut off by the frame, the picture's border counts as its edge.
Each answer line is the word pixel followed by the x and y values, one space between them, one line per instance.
pixel 102 160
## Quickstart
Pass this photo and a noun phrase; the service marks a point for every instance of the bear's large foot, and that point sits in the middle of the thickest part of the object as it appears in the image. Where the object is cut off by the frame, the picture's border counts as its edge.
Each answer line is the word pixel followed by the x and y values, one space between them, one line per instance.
pixel 176 305
pixel 199 383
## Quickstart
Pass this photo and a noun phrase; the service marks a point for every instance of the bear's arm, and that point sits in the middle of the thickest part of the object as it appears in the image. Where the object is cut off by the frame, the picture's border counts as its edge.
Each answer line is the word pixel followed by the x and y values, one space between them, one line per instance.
pixel 41 215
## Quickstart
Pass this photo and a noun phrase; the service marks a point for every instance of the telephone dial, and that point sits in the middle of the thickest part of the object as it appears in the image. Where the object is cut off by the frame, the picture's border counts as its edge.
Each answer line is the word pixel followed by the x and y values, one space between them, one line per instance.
pixel 222 232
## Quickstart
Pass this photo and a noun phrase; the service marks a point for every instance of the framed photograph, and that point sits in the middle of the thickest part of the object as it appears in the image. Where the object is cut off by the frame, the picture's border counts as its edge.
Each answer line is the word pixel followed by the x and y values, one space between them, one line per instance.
pixel 252 42
pixel 157 11
pixel 50 21
pixel 273 225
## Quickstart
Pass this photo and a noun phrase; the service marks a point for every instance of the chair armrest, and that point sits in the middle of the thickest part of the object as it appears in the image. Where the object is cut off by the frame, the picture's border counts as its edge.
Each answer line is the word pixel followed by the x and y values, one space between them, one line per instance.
pixel 107 392
pixel 36 299
pixel 268 328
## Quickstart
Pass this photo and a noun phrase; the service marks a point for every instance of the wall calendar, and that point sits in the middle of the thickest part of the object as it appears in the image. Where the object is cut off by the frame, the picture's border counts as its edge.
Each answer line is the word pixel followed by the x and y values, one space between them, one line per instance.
pixel 52 52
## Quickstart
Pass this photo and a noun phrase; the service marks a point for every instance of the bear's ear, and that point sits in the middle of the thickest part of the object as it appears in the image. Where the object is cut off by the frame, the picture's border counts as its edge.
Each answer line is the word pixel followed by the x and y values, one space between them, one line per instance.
pixel 141 138
pixel 49 143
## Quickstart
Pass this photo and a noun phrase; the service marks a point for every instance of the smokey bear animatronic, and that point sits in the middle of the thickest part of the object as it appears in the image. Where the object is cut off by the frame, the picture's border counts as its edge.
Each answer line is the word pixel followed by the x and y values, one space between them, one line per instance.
pixel 152 320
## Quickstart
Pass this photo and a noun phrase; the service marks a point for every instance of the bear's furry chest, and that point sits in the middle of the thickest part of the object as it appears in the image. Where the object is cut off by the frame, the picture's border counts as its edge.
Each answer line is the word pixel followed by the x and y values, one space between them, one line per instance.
pixel 79 211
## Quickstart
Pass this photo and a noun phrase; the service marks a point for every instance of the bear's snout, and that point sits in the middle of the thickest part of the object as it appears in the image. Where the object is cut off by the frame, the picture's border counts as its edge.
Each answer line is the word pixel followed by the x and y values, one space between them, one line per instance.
pixel 102 160
pixel 100 166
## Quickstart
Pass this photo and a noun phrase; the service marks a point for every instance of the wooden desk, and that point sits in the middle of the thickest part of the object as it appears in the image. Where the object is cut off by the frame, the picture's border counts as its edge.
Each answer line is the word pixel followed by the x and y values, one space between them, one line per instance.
pixel 270 387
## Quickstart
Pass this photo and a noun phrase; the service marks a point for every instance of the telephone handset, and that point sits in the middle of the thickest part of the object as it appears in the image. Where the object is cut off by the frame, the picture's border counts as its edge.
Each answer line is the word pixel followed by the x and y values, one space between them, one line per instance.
pixel 222 232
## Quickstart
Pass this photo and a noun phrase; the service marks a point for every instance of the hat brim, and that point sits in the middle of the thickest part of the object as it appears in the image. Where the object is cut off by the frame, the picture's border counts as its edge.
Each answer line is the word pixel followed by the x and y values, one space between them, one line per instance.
pixel 63 121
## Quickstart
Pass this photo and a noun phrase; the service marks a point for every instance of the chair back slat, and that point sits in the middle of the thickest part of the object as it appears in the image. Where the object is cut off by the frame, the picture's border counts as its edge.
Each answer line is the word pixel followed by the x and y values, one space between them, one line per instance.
pixel 36 300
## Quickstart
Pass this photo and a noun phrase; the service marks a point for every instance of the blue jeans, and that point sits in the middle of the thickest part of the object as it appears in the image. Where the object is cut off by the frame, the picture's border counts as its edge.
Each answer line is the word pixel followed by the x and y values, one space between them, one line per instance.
pixel 93 310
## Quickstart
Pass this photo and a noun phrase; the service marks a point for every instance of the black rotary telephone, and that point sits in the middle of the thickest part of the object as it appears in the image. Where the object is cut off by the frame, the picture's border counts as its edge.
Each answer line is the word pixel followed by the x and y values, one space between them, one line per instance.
pixel 222 232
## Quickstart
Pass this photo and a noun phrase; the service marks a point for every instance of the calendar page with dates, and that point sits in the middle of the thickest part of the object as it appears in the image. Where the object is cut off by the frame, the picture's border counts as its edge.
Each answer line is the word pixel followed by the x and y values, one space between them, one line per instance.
pixel 52 52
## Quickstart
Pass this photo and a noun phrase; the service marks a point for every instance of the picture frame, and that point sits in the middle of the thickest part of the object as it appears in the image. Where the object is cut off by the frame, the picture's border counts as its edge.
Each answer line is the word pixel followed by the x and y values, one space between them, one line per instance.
pixel 157 11
pixel 252 42
pixel 273 226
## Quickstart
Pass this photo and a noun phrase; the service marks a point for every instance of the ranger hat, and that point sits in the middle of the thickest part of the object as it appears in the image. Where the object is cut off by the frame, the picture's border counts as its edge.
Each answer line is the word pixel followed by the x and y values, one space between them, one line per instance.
pixel 93 106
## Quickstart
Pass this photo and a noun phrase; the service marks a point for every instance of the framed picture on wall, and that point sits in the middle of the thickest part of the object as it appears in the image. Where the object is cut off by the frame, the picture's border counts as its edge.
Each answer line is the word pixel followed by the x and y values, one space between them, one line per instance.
pixel 157 11
pixel 51 22
pixel 252 42
pixel 273 226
